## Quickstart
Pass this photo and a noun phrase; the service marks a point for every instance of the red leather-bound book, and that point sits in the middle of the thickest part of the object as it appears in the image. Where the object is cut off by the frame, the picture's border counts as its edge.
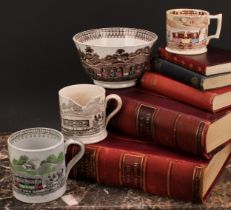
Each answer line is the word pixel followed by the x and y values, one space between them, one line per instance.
pixel 122 161
pixel 170 123
pixel 212 100
pixel 214 61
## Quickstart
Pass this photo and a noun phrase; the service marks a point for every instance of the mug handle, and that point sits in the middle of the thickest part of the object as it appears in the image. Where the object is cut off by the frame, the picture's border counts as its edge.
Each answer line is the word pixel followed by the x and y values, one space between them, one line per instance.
pixel 118 107
pixel 76 158
pixel 219 23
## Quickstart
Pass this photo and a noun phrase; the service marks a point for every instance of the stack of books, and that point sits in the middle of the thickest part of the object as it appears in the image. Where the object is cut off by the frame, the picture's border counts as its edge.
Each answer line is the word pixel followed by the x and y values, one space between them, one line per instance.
pixel 172 135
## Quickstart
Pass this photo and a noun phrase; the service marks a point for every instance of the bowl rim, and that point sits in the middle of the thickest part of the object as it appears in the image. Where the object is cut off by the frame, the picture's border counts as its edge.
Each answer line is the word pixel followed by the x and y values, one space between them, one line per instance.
pixel 152 34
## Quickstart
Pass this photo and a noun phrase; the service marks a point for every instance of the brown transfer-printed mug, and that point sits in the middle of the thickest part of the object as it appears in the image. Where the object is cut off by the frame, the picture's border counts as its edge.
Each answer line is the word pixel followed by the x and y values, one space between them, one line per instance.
pixel 187 30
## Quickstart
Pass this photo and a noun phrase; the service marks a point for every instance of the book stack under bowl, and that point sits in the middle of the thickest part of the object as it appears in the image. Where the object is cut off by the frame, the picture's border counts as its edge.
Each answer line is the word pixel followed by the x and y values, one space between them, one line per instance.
pixel 200 80
pixel 171 138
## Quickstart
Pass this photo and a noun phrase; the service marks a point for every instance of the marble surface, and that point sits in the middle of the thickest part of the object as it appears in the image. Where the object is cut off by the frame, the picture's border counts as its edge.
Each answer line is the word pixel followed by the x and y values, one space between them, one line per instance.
pixel 93 196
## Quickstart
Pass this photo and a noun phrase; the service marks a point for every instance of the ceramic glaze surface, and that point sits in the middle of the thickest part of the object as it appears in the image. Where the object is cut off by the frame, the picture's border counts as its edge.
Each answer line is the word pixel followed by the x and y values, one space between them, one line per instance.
pixel 115 42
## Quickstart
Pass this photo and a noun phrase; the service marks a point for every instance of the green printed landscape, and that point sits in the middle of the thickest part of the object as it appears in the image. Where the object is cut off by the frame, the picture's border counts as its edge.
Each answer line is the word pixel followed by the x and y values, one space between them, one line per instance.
pixel 25 165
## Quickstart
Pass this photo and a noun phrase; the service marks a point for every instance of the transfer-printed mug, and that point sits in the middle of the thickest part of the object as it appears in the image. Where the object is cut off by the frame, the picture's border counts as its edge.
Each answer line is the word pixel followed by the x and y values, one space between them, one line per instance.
pixel 37 161
pixel 187 30
pixel 83 112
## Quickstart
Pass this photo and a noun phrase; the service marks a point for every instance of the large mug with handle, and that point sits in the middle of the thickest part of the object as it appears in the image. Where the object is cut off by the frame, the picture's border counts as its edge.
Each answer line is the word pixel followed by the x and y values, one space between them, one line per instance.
pixel 37 160
pixel 83 112
pixel 187 30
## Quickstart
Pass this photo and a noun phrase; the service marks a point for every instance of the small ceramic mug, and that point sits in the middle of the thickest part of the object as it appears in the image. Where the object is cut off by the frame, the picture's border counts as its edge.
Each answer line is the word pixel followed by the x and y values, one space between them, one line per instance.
pixel 83 112
pixel 37 160
pixel 187 30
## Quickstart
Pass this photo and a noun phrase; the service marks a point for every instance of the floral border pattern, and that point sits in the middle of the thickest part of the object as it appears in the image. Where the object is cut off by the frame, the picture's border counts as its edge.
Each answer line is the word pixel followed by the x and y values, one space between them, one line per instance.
pixel 115 32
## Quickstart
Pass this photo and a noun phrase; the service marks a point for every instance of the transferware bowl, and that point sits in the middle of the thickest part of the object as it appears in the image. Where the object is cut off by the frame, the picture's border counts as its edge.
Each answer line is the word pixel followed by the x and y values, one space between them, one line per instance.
pixel 115 57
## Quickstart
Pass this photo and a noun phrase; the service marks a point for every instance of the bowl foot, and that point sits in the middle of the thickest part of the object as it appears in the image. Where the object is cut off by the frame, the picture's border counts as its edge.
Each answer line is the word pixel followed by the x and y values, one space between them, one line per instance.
pixel 116 85
pixel 187 51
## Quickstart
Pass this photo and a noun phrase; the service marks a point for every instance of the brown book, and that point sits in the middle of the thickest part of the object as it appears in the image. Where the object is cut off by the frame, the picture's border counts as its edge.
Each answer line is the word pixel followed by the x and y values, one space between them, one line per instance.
pixel 123 161
pixel 214 61
pixel 170 123
pixel 212 100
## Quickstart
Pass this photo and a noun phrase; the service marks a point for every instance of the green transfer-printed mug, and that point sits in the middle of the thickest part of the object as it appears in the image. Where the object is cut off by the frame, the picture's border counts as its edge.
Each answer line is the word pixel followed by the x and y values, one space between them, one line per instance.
pixel 37 161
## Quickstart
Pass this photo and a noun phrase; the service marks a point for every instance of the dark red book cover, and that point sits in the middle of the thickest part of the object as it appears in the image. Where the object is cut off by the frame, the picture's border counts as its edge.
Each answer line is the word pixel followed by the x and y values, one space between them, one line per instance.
pixel 200 63
pixel 164 85
pixel 164 121
pixel 123 161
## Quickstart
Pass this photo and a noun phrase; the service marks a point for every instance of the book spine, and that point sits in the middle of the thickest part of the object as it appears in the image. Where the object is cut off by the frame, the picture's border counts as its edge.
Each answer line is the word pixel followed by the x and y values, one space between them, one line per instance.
pixel 164 85
pixel 150 173
pixel 162 126
pixel 178 73
pixel 182 61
